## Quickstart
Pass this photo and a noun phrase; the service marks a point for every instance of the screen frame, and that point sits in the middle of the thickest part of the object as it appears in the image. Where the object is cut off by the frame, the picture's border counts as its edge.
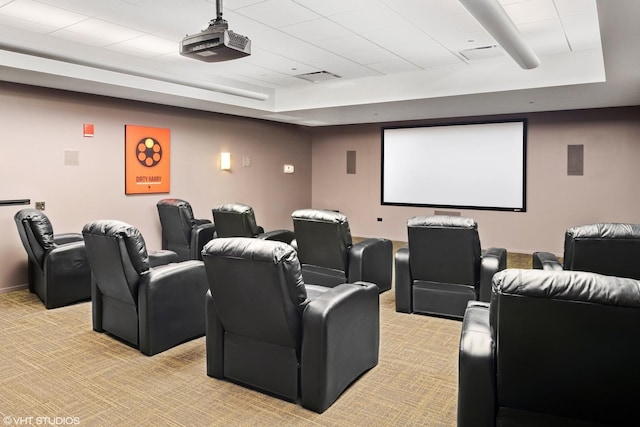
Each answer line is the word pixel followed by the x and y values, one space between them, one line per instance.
pixel 451 206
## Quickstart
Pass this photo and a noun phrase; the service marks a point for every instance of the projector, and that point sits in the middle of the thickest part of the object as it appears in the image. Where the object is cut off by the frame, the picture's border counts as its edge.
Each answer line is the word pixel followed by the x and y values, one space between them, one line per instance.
pixel 215 44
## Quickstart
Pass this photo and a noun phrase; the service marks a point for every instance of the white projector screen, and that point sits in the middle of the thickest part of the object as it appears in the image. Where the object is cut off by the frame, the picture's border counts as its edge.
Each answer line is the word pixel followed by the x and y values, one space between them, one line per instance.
pixel 466 166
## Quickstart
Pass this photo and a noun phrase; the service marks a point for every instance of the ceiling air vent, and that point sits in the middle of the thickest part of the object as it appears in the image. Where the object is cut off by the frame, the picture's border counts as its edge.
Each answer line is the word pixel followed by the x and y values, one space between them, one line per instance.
pixel 483 52
pixel 318 76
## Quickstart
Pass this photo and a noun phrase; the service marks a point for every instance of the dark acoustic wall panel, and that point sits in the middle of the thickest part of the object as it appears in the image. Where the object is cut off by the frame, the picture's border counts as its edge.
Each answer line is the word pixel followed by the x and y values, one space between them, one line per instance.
pixel 575 160
pixel 351 162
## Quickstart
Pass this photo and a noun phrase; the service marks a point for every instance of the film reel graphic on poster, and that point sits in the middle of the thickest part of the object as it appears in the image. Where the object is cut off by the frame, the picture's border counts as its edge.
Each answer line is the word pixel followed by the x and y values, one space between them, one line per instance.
pixel 147 160
pixel 149 152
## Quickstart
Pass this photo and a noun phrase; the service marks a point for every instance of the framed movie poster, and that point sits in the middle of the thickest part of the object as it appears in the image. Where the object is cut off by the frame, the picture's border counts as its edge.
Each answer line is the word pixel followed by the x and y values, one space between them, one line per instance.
pixel 146 160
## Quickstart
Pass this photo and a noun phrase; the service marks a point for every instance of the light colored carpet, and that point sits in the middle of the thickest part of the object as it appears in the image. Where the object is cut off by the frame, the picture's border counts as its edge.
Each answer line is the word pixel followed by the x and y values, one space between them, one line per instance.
pixel 52 364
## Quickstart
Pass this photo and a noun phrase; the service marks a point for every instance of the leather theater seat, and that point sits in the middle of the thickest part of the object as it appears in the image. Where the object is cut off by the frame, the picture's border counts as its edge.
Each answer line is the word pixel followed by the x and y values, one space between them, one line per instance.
pixel 329 256
pixel 58 268
pixel 181 232
pixel 552 349
pixel 152 303
pixel 239 220
pixel 443 267
pixel 268 330
pixel 611 249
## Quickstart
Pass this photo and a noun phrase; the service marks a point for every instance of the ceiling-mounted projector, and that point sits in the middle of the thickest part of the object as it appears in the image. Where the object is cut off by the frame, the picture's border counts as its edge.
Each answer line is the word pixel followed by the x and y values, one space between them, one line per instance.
pixel 216 43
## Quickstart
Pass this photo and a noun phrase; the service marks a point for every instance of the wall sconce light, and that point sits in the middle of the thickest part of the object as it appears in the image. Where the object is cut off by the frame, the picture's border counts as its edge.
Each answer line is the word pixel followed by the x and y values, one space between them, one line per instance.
pixel 225 161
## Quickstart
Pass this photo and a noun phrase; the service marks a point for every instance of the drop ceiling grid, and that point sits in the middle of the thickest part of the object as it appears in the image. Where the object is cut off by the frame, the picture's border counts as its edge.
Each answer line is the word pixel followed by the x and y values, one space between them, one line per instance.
pixel 354 39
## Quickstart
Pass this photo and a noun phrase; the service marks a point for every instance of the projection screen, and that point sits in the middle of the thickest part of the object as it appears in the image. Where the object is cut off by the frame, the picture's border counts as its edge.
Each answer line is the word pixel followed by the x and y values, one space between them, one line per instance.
pixel 466 166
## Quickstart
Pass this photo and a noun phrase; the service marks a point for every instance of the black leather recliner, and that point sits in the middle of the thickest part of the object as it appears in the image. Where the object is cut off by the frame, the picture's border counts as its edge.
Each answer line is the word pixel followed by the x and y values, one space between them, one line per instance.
pixel 181 232
pixel 268 330
pixel 612 249
pixel 443 267
pixel 58 270
pixel 153 304
pixel 328 255
pixel 552 349
pixel 238 220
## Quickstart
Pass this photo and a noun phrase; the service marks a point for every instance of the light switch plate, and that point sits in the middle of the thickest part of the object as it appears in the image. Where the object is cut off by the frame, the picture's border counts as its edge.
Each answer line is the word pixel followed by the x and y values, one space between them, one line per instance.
pixel 289 169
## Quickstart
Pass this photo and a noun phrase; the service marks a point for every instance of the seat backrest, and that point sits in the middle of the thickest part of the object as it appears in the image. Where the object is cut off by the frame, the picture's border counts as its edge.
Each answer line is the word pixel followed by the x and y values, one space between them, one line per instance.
pixel 176 219
pixel 323 238
pixel 565 344
pixel 235 220
pixel 444 249
pixel 257 288
pixel 606 248
pixel 36 233
pixel 118 258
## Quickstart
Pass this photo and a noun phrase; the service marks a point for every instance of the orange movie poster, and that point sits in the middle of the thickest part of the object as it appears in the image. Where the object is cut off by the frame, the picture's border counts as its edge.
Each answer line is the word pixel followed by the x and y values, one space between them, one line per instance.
pixel 146 160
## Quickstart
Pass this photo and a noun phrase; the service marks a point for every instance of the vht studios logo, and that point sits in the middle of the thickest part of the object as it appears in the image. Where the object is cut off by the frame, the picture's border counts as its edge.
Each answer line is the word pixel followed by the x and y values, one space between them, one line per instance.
pixel 149 152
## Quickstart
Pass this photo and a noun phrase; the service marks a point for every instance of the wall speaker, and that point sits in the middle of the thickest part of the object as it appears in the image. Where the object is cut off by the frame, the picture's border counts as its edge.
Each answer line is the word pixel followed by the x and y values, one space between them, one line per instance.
pixel 575 160
pixel 351 162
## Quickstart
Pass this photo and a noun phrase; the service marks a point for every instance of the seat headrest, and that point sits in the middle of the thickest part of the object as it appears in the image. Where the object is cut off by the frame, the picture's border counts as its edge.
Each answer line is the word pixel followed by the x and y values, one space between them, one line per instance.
pixel 131 236
pixel 173 202
pixel 234 207
pixel 250 248
pixel 605 231
pixel 319 215
pixel 568 285
pixel 442 221
pixel 39 224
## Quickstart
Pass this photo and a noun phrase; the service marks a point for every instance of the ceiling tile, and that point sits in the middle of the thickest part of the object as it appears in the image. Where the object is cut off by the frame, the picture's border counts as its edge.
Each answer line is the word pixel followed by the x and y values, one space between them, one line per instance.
pixel 97 32
pixel 95 9
pixel 531 11
pixel 425 55
pixel 334 7
pixel 545 37
pixel 582 31
pixel 346 45
pixel 373 18
pixel 145 46
pixel 575 7
pixel 394 67
pixel 39 13
pixel 366 57
pixel 278 13
pixel 316 31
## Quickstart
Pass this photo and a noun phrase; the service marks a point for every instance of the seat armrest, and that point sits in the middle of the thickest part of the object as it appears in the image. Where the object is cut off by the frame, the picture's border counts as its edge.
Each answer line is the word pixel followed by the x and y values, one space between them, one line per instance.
pixel 404 293
pixel 546 261
pixel 63 238
pixel 162 257
pixel 493 260
pixel 171 301
pixel 476 373
pixel 285 236
pixel 340 341
pixel 200 236
pixel 68 275
pixel 371 260
pixel 198 222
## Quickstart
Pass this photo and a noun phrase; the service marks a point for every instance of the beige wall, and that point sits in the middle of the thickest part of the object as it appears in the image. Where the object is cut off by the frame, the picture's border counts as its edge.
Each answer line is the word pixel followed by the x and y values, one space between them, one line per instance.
pixel 37 125
pixel 606 193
